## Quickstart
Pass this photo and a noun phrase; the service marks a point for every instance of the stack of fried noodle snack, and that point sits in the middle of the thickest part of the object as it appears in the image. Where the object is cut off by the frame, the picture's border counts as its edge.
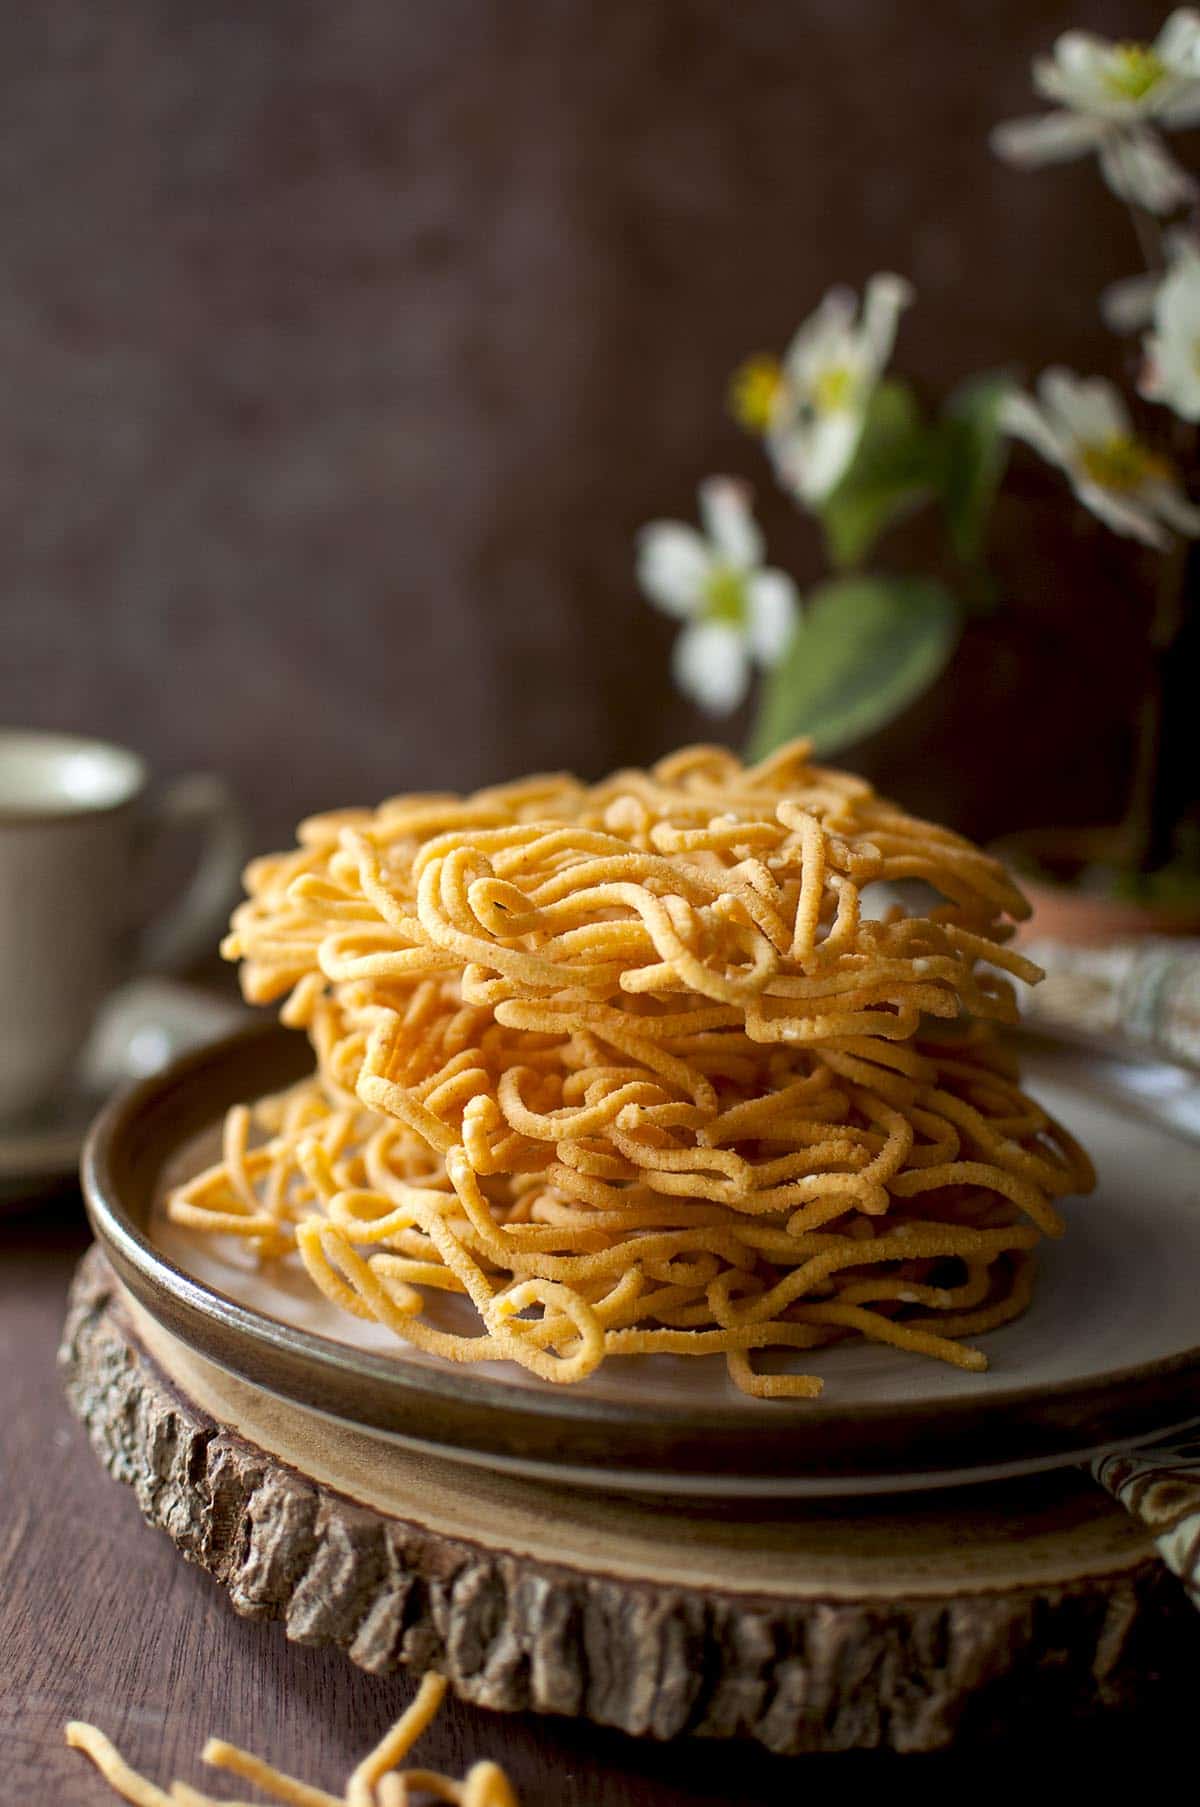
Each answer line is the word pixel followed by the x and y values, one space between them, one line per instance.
pixel 631 1068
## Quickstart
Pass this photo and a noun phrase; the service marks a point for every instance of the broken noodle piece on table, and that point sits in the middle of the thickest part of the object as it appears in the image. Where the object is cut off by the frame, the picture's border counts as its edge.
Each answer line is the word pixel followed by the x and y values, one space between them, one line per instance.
pixel 375 1782
pixel 630 1068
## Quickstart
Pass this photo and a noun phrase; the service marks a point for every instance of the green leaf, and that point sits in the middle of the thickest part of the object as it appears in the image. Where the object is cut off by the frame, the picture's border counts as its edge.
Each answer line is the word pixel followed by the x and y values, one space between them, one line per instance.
pixel 894 470
pixel 865 648
pixel 975 453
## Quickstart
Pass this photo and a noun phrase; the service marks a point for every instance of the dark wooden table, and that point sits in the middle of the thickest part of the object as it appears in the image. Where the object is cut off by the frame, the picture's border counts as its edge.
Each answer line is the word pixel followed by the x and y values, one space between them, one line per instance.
pixel 101 1620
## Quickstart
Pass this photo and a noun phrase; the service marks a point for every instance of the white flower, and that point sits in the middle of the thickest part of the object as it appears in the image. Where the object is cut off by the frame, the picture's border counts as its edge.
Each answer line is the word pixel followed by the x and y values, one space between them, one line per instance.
pixel 1083 426
pixel 1172 370
pixel 1127 305
pixel 736 609
pixel 829 375
pixel 1110 97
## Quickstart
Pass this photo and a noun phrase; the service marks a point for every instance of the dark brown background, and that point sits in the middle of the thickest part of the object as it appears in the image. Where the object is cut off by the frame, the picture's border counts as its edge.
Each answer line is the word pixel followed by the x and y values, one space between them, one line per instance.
pixel 345 347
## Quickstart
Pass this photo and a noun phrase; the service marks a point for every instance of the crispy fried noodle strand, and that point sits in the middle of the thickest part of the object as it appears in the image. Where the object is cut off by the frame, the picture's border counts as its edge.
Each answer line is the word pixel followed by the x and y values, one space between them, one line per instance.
pixel 644 1066
pixel 375 1782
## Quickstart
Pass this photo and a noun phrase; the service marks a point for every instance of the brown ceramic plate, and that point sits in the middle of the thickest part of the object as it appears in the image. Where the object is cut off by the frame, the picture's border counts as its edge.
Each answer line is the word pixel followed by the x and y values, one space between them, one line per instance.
pixel 1109 1351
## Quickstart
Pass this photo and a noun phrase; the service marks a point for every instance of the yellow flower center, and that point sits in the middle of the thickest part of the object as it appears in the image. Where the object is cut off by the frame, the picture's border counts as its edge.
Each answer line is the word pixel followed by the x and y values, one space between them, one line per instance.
pixel 754 390
pixel 1133 70
pixel 833 388
pixel 1121 463
pixel 724 595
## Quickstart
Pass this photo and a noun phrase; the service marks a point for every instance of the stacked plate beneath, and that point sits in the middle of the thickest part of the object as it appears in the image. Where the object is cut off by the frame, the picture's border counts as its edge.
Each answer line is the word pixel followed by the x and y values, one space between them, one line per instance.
pixel 1108 1353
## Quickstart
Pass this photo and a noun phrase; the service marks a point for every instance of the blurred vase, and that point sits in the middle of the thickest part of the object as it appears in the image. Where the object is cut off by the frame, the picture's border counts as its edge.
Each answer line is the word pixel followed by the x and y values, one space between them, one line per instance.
pixel 1052 866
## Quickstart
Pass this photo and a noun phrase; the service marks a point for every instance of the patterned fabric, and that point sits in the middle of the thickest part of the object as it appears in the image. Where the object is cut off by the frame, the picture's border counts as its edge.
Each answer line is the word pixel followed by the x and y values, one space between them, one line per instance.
pixel 1146 992
pixel 1160 1486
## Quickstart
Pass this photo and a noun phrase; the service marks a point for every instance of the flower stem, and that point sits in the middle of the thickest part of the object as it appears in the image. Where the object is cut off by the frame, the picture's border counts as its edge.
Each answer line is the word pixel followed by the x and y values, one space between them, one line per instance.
pixel 1152 813
pixel 1157 794
pixel 1149 236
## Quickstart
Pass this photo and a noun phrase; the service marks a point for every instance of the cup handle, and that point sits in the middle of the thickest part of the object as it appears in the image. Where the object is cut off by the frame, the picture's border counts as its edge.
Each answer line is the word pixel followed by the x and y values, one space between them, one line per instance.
pixel 190 928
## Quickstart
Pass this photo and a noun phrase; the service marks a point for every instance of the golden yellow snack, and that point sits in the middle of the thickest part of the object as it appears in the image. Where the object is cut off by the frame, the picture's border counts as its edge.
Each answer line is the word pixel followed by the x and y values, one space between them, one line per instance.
pixel 375 1782
pixel 631 1068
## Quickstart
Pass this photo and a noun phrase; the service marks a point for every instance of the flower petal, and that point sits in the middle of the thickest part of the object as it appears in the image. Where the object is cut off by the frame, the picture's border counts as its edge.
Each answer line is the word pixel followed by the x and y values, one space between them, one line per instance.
pixel 1047 138
pixel 1083 408
pixel 710 663
pixel 1178 43
pixel 1020 416
pixel 812 459
pixel 1170 380
pixel 1138 167
pixel 1172 506
pixel 728 522
pixel 1180 109
pixel 1177 304
pixel 826 337
pixel 1128 304
pixel 1172 371
pixel 774 607
pixel 1076 74
pixel 884 300
pixel 673 562
pixel 1121 513
pixel 1154 382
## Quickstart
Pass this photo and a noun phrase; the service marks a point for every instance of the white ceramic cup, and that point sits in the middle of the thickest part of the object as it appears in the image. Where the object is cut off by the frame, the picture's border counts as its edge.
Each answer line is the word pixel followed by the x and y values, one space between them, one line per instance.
pixel 78 821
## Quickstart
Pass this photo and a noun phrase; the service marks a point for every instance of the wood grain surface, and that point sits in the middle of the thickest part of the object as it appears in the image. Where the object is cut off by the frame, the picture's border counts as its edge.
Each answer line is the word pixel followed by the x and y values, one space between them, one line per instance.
pixel 100 1619
pixel 836 1626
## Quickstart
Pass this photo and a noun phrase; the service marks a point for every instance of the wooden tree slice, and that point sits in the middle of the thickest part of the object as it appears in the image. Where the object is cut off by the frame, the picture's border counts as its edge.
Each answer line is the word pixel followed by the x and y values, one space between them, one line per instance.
pixel 826 1627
